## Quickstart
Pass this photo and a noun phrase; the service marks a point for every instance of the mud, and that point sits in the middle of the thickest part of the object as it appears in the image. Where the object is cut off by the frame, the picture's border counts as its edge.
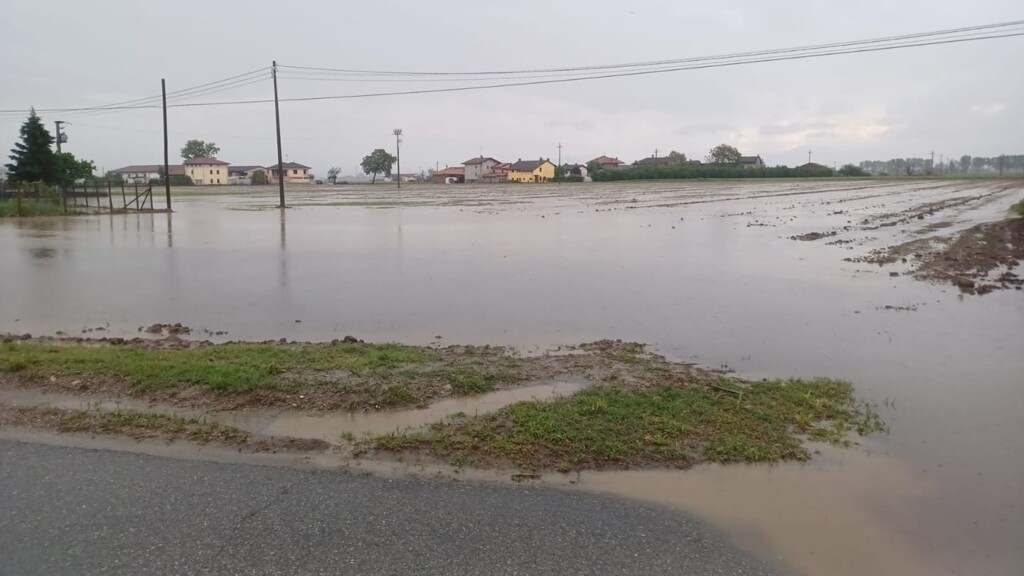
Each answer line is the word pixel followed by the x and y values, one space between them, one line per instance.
pixel 978 260
pixel 147 426
pixel 625 364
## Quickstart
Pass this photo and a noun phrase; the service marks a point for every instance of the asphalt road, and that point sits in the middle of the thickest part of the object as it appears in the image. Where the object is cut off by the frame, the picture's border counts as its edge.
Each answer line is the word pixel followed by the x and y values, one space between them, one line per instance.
pixel 77 511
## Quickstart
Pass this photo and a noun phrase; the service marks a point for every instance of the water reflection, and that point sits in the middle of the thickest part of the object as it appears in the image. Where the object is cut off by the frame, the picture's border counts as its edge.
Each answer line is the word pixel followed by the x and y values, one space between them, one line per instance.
pixel 42 253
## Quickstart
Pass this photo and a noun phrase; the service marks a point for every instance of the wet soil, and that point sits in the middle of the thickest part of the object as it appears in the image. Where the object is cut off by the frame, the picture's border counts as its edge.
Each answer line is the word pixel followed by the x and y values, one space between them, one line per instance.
pixel 454 371
pixel 148 426
pixel 978 260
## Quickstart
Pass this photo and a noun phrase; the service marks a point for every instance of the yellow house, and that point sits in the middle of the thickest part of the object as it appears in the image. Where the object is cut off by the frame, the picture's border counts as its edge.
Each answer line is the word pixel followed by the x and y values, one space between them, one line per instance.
pixel 206 171
pixel 294 173
pixel 531 171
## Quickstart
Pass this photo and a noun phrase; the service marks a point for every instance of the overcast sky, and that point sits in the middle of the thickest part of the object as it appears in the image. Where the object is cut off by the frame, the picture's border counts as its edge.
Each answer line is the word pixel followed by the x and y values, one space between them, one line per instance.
pixel 954 99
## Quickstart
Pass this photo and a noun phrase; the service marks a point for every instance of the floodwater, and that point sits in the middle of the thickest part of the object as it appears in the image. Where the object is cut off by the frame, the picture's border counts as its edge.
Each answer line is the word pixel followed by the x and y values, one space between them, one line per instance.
pixel 329 427
pixel 704 272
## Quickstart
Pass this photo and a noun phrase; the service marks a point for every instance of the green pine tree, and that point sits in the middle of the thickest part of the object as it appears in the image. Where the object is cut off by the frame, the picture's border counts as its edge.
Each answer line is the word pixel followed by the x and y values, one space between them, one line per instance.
pixel 32 158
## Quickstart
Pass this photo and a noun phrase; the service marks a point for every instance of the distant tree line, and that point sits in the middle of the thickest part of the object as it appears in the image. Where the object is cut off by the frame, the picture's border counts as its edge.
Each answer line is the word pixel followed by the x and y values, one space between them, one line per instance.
pixel 966 164
pixel 688 171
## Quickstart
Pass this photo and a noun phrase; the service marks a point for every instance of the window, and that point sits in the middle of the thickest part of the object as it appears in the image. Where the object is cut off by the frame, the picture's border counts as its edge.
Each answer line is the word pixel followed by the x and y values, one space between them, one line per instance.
pixel 295 171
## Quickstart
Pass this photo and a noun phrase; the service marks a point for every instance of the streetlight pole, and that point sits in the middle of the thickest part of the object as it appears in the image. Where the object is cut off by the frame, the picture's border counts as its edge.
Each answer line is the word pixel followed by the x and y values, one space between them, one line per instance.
pixel 61 138
pixel 398 153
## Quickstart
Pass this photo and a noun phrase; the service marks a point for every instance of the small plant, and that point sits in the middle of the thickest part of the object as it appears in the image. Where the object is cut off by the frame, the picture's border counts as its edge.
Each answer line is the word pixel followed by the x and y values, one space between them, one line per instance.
pixel 398 395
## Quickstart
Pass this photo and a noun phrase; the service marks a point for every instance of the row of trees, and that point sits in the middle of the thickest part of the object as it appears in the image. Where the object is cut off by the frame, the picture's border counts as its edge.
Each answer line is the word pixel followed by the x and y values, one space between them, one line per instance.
pixel 32 159
pixel 966 164
pixel 686 171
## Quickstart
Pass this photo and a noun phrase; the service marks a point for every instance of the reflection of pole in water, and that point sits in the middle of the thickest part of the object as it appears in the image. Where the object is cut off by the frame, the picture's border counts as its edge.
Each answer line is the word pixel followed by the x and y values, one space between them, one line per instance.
pixel 284 231
pixel 170 231
pixel 283 276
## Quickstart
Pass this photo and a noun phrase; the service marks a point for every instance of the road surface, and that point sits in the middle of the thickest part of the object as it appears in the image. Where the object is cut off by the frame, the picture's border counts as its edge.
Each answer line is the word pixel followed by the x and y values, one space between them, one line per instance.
pixel 78 511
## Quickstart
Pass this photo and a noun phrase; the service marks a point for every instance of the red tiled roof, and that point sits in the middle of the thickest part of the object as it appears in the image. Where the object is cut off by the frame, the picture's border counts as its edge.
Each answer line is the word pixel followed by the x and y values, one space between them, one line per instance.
pixel 204 160
pixel 452 171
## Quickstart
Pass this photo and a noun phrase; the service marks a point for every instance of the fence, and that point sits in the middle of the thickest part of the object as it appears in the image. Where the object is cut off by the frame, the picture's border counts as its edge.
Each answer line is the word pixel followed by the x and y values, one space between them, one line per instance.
pixel 98 196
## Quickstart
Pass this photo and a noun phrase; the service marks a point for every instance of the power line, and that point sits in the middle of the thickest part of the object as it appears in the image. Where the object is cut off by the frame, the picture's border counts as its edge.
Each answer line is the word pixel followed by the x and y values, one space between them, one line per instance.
pixel 557 75
pixel 602 76
pixel 153 101
pixel 901 37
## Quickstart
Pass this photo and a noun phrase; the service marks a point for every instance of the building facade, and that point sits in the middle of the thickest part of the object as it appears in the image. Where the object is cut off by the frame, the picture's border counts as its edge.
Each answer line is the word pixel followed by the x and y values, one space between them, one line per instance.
pixel 207 171
pixel 477 167
pixel 294 173
pixel 531 171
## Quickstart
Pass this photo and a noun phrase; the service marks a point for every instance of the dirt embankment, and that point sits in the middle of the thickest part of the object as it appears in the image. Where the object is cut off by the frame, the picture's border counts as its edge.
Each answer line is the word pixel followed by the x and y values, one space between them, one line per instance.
pixel 978 260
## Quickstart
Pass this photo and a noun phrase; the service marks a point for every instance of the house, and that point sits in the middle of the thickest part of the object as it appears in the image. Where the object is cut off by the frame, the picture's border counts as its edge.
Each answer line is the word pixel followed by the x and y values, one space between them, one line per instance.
pixel 498 173
pixel 531 171
pixel 243 174
pixel 206 171
pixel 607 163
pixel 751 162
pixel 654 161
pixel 451 175
pixel 812 167
pixel 294 173
pixel 146 173
pixel 575 170
pixel 477 167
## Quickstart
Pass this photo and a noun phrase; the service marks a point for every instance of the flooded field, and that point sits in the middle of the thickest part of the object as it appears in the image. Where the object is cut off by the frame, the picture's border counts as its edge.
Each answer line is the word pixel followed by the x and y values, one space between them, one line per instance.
pixel 760 277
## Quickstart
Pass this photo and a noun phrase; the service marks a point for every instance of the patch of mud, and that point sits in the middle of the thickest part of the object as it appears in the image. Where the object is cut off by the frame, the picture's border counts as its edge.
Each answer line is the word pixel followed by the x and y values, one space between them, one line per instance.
pixel 812 236
pixel 142 425
pixel 977 261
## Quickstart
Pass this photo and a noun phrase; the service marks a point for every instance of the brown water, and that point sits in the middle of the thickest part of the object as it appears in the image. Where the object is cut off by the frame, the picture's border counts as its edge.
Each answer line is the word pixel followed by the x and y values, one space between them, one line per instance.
pixel 330 426
pixel 704 272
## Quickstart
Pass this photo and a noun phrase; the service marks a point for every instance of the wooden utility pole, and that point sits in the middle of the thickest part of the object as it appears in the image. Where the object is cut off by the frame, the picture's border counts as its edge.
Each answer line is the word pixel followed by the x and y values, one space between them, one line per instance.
pixel 559 154
pixel 277 122
pixel 167 166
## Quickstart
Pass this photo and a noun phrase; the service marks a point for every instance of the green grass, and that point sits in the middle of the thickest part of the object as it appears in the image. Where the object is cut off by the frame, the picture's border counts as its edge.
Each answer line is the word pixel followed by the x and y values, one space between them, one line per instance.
pixel 1019 208
pixel 10 208
pixel 666 426
pixel 225 368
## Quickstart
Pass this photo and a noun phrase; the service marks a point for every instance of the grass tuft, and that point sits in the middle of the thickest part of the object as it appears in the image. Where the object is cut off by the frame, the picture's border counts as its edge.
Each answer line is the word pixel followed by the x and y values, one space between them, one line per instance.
pixel 669 426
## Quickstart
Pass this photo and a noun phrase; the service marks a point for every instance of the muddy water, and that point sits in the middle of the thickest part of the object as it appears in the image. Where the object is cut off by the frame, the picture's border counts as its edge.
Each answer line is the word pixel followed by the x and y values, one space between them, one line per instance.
pixel 704 272
pixel 330 427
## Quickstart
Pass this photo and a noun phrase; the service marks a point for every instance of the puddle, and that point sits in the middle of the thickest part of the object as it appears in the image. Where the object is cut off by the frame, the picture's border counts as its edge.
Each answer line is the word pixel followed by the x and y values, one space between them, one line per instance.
pixel 825 517
pixel 331 426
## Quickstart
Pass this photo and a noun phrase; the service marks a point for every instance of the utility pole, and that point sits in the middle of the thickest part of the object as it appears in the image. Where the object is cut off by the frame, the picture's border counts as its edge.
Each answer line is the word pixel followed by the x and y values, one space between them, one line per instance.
pixel 277 120
pixel 655 152
pixel 167 173
pixel 398 153
pixel 61 138
pixel 559 154
pixel 808 156
pixel 932 167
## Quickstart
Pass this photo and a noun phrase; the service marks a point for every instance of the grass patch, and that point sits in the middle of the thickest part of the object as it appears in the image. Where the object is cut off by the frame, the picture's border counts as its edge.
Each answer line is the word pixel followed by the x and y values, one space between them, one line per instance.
pixel 12 208
pixel 225 368
pixel 473 380
pixel 665 426
pixel 132 423
pixel 1018 208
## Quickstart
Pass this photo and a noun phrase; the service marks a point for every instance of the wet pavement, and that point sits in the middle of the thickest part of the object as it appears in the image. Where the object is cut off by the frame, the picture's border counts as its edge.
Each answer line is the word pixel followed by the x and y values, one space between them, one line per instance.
pixel 704 272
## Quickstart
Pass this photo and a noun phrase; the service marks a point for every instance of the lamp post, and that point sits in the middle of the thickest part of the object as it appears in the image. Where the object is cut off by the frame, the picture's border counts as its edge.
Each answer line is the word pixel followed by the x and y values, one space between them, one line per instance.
pixel 398 154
